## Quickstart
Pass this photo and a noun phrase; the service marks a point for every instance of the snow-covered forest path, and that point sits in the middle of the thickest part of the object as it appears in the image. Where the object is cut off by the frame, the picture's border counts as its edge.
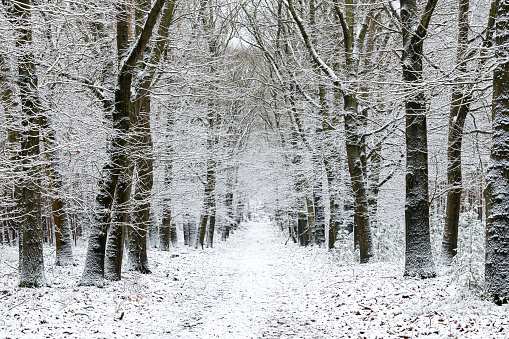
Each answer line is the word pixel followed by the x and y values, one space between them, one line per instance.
pixel 251 286
pixel 256 288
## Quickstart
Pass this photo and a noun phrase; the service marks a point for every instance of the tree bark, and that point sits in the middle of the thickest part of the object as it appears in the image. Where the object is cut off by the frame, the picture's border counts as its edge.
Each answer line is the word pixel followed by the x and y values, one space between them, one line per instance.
pixel 497 224
pixel 117 163
pixel 460 107
pixel 31 261
pixel 418 257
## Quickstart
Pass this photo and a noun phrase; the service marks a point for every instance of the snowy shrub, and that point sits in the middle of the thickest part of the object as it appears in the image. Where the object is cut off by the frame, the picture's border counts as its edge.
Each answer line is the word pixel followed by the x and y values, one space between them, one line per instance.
pixel 467 269
pixel 436 225
pixel 390 242
pixel 344 249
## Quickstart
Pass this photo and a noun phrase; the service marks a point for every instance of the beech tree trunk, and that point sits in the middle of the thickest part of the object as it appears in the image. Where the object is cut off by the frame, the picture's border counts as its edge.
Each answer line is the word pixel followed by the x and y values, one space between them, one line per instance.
pixel 418 257
pixel 460 107
pixel 31 261
pixel 497 223
pixel 117 163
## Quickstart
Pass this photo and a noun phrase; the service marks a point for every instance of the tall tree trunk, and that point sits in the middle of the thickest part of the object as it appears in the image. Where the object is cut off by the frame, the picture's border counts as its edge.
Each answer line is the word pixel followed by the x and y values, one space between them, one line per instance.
pixel 354 143
pixel 63 240
pixel 143 159
pixel 12 116
pixel 418 257
pixel 460 106
pixel 117 164
pixel 497 223
pixel 31 262
pixel 142 143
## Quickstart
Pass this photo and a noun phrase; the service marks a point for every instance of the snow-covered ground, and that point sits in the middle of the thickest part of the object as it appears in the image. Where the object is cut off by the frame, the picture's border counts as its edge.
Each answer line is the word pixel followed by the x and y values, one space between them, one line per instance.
pixel 252 286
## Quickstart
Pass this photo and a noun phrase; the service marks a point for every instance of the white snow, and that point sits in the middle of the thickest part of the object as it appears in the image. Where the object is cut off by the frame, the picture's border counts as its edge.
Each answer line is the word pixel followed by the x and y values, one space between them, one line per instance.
pixel 251 286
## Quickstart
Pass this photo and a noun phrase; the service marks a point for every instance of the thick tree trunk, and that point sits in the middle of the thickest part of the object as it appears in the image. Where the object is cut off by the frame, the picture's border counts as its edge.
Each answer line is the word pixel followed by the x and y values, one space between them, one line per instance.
pixel 202 229
pixel 117 163
pixel 143 160
pixel 31 262
pixel 460 107
pixel 119 222
pixel 497 224
pixel 142 143
pixel 210 233
pixel 418 256
pixel 354 142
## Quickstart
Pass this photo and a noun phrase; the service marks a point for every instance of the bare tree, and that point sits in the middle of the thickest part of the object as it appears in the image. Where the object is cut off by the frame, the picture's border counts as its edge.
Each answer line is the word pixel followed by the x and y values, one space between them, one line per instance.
pixel 418 257
pixel 497 224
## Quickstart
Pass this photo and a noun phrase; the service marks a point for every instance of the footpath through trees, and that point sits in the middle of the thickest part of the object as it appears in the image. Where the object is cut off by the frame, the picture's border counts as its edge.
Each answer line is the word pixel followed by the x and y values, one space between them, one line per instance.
pixel 252 286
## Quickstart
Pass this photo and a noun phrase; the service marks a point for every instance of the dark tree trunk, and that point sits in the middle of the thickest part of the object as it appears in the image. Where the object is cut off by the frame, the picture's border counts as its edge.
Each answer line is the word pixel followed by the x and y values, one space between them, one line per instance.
pixel 497 224
pixel 418 257
pixel 63 239
pixel 319 208
pixel 164 232
pixel 117 163
pixel 354 142
pixel 31 261
pixel 230 215
pixel 119 222
pixel 142 143
pixel 186 226
pixel 302 230
pixel 143 159
pixel 335 220
pixel 460 107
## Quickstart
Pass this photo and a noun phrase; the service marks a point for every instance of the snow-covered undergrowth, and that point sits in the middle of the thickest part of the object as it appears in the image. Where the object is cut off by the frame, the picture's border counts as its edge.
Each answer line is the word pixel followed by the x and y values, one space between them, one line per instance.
pixel 252 286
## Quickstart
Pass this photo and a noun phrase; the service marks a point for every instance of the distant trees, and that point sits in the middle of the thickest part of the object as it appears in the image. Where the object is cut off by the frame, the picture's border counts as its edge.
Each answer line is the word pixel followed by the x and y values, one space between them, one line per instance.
pixel 161 125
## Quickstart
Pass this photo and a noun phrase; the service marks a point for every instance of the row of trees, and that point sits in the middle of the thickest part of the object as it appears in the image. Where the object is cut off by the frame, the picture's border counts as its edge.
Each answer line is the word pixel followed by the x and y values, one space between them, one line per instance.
pixel 180 99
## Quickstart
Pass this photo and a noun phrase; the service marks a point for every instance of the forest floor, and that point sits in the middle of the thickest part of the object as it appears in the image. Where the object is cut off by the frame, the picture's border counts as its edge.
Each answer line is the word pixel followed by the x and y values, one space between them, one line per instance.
pixel 251 286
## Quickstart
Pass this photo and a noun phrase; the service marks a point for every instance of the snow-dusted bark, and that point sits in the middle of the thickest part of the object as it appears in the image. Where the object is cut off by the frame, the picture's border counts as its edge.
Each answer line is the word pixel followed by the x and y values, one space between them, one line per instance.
pixel 230 213
pixel 336 215
pixel 166 222
pixel 117 164
pixel 31 262
pixel 353 122
pixel 239 212
pixel 460 107
pixel 497 192
pixel 142 157
pixel 186 227
pixel 142 140
pixel 418 257
pixel 63 239
pixel 319 208
pixel 208 215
